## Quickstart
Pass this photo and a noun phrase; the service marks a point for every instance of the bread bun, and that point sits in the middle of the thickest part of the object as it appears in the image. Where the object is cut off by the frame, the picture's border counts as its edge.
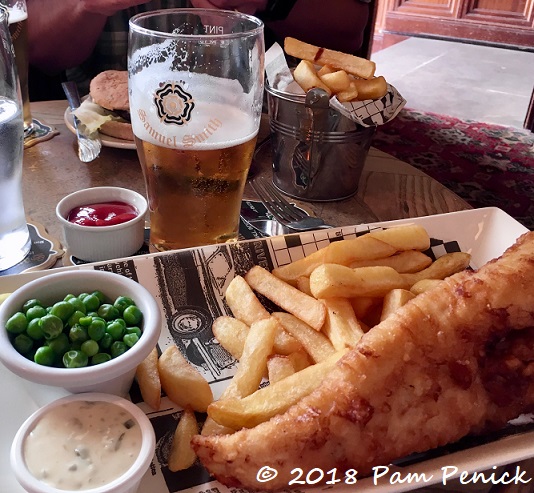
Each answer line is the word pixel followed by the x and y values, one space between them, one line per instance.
pixel 109 89
pixel 119 130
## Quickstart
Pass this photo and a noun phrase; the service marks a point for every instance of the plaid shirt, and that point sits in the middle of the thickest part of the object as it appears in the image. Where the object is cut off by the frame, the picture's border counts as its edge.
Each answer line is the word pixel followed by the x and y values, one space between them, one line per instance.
pixel 111 50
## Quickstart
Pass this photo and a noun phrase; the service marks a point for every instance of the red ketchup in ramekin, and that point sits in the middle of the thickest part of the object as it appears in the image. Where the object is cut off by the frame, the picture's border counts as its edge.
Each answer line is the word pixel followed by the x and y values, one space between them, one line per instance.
pixel 102 214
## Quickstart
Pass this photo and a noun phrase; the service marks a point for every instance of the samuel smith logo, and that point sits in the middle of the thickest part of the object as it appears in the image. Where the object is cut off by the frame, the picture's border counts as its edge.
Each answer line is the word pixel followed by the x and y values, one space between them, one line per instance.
pixel 174 105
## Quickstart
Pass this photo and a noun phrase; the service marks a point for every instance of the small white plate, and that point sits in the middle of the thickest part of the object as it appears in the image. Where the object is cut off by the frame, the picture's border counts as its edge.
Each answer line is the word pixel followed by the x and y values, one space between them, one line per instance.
pixel 107 141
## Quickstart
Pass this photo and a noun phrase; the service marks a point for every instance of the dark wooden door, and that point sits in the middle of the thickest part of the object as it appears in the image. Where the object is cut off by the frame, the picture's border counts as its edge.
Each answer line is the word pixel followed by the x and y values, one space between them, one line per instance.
pixel 496 22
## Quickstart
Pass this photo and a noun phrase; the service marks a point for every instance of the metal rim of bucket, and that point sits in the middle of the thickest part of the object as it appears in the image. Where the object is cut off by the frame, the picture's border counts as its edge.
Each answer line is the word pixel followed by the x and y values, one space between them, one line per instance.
pixel 287 96
pixel 345 137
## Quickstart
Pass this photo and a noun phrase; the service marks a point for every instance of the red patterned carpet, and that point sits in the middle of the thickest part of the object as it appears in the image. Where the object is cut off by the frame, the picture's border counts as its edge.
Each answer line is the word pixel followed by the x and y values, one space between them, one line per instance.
pixel 486 165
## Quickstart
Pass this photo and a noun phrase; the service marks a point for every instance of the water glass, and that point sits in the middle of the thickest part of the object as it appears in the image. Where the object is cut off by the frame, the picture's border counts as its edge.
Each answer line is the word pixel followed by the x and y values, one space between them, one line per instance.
pixel 196 93
pixel 18 27
pixel 14 236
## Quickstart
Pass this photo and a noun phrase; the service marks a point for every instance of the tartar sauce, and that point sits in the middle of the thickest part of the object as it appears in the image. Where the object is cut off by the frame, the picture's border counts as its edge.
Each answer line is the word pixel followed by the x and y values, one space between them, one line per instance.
pixel 82 444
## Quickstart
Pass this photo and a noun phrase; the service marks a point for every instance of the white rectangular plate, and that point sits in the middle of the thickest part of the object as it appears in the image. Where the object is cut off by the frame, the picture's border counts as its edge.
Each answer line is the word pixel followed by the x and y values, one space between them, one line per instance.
pixel 189 286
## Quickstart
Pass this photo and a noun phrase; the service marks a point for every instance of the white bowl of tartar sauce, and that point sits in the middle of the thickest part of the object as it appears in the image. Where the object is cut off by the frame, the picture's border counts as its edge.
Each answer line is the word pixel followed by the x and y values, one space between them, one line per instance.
pixel 90 442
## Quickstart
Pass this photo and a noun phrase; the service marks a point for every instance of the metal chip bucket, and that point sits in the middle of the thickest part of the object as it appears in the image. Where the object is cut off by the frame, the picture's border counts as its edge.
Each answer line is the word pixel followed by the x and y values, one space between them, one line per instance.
pixel 318 154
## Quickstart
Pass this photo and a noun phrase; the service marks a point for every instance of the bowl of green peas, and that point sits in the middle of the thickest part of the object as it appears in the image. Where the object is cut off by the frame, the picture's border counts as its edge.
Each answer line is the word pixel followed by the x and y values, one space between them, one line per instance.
pixel 83 330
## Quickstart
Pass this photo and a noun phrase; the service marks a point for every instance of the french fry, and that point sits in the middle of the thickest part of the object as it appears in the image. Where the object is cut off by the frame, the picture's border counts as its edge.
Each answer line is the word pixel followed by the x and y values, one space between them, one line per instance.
pixel 359 67
pixel 316 344
pixel 278 368
pixel 341 326
pixel 231 334
pixel 253 363
pixel 337 81
pixel 182 455
pixel 306 77
pixel 340 252
pixel 252 366
pixel 182 383
pixel 247 308
pixel 333 281
pixel 300 268
pixel 300 360
pixel 348 94
pixel 303 284
pixel 406 261
pixel 364 305
pixel 325 69
pixel 273 399
pixel 344 252
pixel 211 427
pixel 243 302
pixel 443 267
pixel 289 298
pixel 424 285
pixel 409 237
pixel 374 88
pixel 394 300
pixel 147 376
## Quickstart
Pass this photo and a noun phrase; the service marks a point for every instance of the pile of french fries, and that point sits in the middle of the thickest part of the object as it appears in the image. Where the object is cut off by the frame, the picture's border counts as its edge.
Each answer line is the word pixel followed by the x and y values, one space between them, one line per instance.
pixel 348 77
pixel 327 301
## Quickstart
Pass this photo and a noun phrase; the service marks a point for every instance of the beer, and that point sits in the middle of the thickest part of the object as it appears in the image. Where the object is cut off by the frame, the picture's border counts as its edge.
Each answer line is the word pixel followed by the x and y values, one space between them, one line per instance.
pixel 194 195
pixel 195 104
pixel 18 28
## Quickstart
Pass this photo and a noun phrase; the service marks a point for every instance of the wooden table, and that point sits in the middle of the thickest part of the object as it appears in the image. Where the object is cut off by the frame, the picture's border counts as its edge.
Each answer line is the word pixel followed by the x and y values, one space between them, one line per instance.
pixel 391 188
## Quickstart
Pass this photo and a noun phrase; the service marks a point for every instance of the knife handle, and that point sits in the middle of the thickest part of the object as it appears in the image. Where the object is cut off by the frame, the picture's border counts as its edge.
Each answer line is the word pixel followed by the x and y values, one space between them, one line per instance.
pixel 71 91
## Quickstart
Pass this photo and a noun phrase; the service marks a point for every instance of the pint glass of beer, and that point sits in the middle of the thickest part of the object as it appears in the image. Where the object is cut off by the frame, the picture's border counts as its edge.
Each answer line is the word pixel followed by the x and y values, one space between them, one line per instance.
pixel 196 91
pixel 18 27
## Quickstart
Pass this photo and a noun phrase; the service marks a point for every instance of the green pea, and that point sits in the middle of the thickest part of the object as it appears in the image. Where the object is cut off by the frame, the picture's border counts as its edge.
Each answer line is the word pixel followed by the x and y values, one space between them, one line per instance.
pixel 69 297
pixel 90 347
pixel 75 359
pixel 34 312
pixel 130 339
pixel 100 295
pixel 30 303
pixel 52 326
pixel 17 323
pixel 106 341
pixel 75 318
pixel 23 344
pixel 132 315
pixel 85 321
pixel 108 312
pixel 134 330
pixel 117 348
pixel 82 296
pixel 116 330
pixel 78 305
pixel 123 302
pixel 91 302
pixel 78 333
pixel 45 355
pixel 60 344
pixel 34 329
pixel 100 358
pixel 63 310
pixel 96 329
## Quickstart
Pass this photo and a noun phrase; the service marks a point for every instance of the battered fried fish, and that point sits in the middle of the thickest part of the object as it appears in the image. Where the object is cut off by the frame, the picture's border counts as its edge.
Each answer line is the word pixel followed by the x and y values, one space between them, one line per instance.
pixel 427 376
